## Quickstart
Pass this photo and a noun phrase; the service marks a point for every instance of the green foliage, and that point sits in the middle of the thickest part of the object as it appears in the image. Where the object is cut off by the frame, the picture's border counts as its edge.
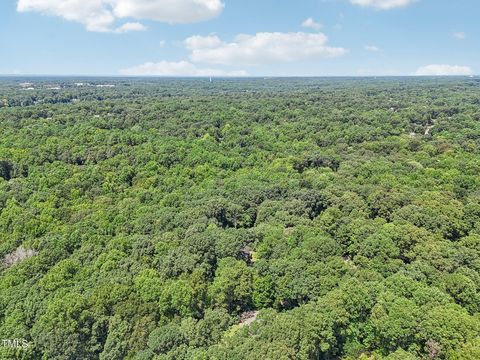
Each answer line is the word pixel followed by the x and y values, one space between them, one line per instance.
pixel 240 219
pixel 232 287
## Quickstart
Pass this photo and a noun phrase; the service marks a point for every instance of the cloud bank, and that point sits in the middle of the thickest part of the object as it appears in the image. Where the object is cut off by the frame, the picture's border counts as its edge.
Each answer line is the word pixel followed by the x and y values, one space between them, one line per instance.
pixel 261 48
pixel 180 68
pixel 102 15
pixel 443 70
pixel 245 50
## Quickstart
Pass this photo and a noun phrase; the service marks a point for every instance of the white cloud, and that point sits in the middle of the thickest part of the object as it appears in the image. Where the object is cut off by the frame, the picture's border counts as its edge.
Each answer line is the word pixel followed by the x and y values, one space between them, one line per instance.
pixel 94 14
pixel 131 26
pixel 101 15
pixel 383 4
pixel 459 35
pixel 312 24
pixel 261 48
pixel 372 48
pixel 442 70
pixel 171 11
pixel 202 42
pixel 181 68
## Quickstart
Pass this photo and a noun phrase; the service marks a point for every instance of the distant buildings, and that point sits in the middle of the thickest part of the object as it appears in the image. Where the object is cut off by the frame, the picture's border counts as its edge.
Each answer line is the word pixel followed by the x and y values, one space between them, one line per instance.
pixel 31 86
pixel 27 86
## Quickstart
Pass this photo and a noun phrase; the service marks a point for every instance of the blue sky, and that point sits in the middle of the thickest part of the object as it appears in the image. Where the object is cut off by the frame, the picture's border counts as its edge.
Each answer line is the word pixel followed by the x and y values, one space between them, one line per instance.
pixel 240 37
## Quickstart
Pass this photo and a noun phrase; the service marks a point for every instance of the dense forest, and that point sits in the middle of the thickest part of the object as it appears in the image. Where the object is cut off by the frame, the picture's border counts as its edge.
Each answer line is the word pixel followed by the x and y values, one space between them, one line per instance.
pixel 171 219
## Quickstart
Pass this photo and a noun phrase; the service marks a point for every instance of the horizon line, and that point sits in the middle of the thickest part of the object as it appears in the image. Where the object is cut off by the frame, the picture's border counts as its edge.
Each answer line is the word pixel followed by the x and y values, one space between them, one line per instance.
pixel 227 77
